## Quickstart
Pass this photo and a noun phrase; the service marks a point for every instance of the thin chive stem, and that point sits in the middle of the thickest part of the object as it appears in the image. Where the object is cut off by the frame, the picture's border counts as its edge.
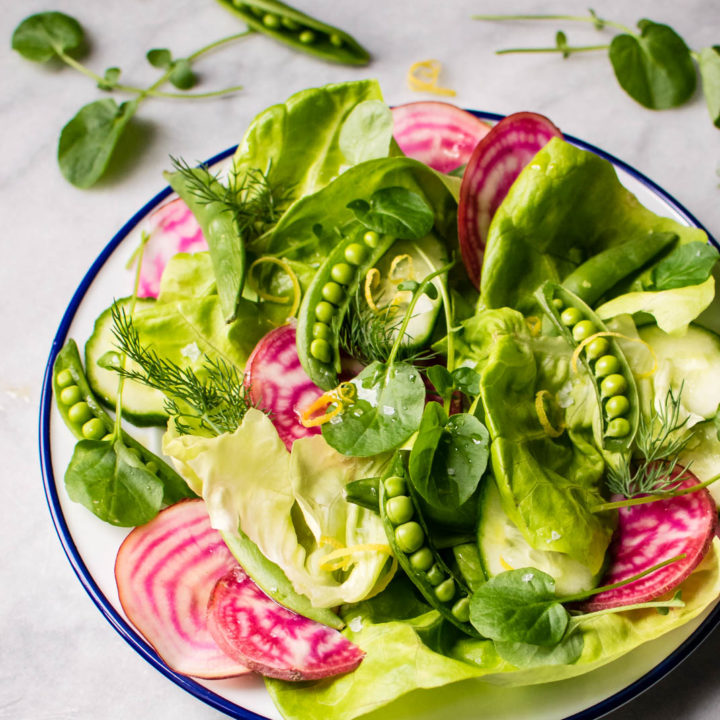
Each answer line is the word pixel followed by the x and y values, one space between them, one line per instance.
pixel 218 43
pixel 630 502
pixel 623 608
pixel 622 583
pixel 150 92
pixel 564 50
pixel 598 22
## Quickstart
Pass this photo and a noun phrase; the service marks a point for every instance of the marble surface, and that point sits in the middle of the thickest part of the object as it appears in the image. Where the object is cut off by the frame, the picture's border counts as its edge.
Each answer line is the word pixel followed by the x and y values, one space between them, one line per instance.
pixel 60 660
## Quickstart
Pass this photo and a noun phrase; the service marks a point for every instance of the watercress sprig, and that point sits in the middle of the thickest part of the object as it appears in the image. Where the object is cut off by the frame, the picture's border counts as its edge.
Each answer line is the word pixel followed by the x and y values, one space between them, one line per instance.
pixel 654 66
pixel 87 142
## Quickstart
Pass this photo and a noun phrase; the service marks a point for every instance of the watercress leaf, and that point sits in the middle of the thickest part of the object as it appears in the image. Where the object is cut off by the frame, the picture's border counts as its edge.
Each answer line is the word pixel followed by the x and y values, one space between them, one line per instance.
pixel 431 291
pixel 159 58
pixel 441 379
pixel 182 76
pixel 87 142
pixel 409 285
pixel 387 411
pixel 420 463
pixel 655 68
pixel 709 63
pixel 45 35
pixel 519 606
pixel 113 483
pixel 110 79
pixel 561 43
pixel 689 264
pixel 395 211
pixel 467 381
pixel 524 655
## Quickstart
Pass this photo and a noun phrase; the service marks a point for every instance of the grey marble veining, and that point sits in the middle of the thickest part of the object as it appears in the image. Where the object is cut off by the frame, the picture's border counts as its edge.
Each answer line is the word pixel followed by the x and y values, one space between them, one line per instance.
pixel 60 660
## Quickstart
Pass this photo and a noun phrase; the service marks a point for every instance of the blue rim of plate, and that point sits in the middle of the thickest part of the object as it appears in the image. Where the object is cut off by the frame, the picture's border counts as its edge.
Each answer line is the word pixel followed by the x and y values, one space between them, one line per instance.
pixel 122 626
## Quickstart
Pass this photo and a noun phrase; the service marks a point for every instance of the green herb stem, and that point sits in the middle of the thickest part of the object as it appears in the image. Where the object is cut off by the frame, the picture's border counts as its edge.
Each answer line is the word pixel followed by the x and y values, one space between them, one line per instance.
pixel 565 50
pixel 630 502
pixel 598 22
pixel 624 608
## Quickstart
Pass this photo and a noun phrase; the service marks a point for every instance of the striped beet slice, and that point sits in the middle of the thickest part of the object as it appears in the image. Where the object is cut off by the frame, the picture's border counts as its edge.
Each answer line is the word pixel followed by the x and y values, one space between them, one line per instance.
pixel 165 572
pixel 274 641
pixel 438 134
pixel 172 229
pixel 278 383
pixel 649 534
pixel 493 167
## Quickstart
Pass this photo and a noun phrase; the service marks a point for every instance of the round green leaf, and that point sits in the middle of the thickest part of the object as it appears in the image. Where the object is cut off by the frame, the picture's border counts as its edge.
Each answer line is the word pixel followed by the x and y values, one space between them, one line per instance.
pixel 89 139
pixel 182 76
pixel 654 68
pixel 395 211
pixel 45 35
pixel 709 62
pixel 159 58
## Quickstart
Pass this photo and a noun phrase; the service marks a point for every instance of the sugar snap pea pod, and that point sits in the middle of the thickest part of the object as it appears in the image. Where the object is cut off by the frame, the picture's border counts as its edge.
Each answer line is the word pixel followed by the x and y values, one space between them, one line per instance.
pixel 219 226
pixel 416 554
pixel 605 362
pixel 591 280
pixel 327 299
pixel 364 492
pixel 300 31
pixel 87 420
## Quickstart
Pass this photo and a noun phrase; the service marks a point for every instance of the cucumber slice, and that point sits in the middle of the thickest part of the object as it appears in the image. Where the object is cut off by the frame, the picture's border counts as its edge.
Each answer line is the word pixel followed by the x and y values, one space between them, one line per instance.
pixel 142 405
pixel 503 547
pixel 690 361
pixel 702 456
pixel 423 257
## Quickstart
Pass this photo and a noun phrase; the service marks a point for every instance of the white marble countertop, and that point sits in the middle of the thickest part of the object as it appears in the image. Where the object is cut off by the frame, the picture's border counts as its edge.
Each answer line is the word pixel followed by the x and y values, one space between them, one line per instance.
pixel 60 659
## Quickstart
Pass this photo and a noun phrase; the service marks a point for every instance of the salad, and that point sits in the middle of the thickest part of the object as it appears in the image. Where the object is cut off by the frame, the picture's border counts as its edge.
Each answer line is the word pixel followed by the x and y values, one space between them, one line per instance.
pixel 437 400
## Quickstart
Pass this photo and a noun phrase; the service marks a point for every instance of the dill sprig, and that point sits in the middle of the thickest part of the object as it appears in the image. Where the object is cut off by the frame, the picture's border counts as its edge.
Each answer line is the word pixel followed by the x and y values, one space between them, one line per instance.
pixel 660 441
pixel 215 403
pixel 369 336
pixel 249 196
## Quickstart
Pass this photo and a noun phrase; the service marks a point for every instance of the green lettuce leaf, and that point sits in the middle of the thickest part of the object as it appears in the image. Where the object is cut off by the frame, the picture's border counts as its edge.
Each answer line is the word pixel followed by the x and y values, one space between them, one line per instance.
pixel 290 505
pixel 565 206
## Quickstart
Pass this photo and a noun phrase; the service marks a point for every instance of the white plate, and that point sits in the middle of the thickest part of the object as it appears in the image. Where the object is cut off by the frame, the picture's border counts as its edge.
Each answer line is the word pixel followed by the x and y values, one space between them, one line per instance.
pixel 91 545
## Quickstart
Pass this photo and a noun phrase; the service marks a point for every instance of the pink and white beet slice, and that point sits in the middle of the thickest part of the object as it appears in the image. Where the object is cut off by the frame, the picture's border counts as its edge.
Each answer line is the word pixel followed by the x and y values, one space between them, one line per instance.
pixel 276 642
pixel 172 229
pixel 652 533
pixel 165 573
pixel 493 167
pixel 438 134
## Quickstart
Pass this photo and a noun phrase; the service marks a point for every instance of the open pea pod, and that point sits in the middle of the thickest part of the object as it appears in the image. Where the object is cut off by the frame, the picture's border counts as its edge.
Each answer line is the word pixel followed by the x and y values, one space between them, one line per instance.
pixel 416 554
pixel 595 346
pixel 298 30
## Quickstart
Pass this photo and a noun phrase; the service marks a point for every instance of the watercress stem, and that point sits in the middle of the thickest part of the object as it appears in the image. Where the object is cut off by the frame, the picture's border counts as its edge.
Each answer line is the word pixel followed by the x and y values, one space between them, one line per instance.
pixel 652 498
pixel 623 608
pixel 598 22
pixel 564 50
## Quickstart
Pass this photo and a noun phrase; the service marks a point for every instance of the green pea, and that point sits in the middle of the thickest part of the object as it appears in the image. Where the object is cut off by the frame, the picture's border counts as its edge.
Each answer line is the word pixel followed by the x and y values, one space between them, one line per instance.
pixel 606 365
pixel 64 378
pixel 306 37
pixel 409 536
pixel 108 437
pixel 461 609
pixel 571 316
pixel 445 591
pixel 394 486
pixel 70 395
pixel 399 509
pixel 422 559
pixel 322 331
pixel 596 348
pixel 435 575
pixel 152 466
pixel 342 273
pixel 320 349
pixel 355 253
pixel 80 413
pixel 616 406
pixel 371 239
pixel 93 429
pixel 558 304
pixel 336 40
pixel 614 384
pixel 290 24
pixel 271 21
pixel 324 312
pixel 619 427
pixel 332 292
pixel 583 330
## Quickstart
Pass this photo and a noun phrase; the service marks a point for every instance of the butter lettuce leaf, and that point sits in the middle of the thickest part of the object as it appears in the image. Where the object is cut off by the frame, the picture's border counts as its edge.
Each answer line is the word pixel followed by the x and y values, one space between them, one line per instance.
pixel 291 505
pixel 565 206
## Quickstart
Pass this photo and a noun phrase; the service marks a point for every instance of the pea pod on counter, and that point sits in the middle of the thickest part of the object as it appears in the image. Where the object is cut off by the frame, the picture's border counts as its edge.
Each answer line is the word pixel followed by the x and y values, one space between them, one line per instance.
pixel 591 280
pixel 87 420
pixel 605 362
pixel 411 544
pixel 298 30
pixel 327 299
